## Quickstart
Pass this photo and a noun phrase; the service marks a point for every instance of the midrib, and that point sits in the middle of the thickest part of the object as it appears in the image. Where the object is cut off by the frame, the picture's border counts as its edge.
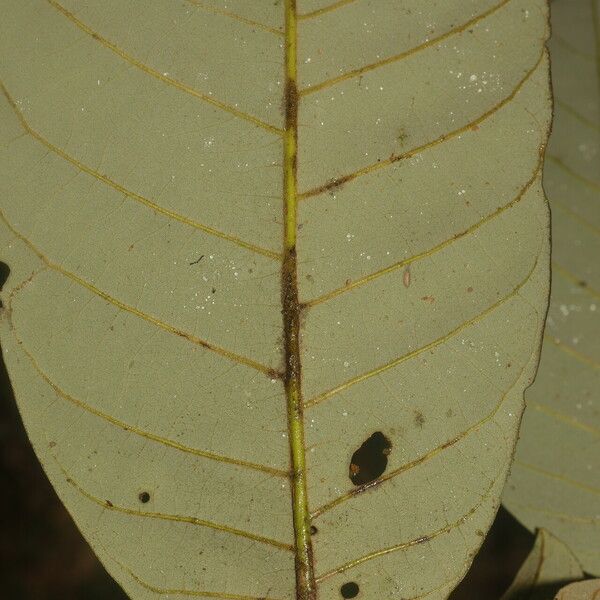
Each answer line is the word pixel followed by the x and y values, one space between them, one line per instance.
pixel 305 579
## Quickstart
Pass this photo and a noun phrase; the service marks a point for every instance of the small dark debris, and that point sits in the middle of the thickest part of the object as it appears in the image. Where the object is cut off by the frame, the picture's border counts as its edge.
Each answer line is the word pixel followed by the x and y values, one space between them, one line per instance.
pixel 370 460
pixel 195 262
pixel 109 503
pixel 313 530
pixel 4 273
pixel 350 590
pixel 144 497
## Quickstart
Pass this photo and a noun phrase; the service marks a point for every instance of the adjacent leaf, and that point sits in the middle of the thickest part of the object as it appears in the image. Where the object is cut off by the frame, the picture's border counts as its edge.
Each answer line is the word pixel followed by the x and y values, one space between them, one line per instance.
pixel 249 239
pixel 548 567
pixel 583 590
pixel 555 481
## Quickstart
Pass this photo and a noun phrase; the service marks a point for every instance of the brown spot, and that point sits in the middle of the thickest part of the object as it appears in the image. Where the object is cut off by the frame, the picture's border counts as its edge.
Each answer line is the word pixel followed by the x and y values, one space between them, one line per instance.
pixel 51 444
pixel 406 277
pixel 429 299
pixel 108 503
pixel 469 289
pixel 354 469
pixel 348 281
pixel 144 497
pixel 313 530
pixel 419 419
pixel 475 128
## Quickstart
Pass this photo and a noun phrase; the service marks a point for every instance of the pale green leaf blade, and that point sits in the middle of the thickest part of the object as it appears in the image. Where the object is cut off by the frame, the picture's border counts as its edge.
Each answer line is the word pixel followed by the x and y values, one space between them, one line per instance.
pixel 583 590
pixel 549 565
pixel 156 226
pixel 555 481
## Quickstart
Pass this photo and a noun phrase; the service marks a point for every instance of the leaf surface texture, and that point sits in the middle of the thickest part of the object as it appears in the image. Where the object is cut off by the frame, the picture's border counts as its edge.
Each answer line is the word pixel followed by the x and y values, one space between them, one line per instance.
pixel 555 480
pixel 153 159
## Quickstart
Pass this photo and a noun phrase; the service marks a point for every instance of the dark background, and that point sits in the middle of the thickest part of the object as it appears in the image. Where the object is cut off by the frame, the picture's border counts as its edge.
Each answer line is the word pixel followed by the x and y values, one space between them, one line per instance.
pixel 44 557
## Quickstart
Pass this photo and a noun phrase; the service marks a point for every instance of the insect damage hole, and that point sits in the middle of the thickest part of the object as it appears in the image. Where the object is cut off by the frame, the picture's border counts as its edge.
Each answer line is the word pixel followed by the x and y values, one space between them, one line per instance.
pixel 349 590
pixel 370 460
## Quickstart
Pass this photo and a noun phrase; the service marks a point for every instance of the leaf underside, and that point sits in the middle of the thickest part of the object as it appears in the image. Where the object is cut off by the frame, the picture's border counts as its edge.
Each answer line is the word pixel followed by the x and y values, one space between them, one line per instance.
pixel 583 590
pixel 549 566
pixel 171 173
pixel 555 480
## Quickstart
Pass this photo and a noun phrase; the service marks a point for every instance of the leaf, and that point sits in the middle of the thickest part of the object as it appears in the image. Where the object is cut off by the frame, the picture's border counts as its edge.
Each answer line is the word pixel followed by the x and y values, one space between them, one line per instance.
pixel 249 239
pixel 555 481
pixel 548 567
pixel 583 590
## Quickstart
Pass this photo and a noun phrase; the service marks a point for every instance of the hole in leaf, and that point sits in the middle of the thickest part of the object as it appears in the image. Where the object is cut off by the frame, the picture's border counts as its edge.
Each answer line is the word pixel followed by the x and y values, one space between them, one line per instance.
pixel 350 590
pixel 144 497
pixel 370 460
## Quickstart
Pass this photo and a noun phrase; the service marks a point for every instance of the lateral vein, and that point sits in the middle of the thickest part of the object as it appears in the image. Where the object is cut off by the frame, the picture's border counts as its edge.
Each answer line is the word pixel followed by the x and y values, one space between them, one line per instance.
pixel 424 458
pixel 571 351
pixel 160 76
pixel 394 363
pixel 185 592
pixel 414 542
pixel 170 214
pixel 394 158
pixel 110 506
pixel 237 358
pixel 558 477
pixel 326 9
pixel 228 13
pixel 431 251
pixel 138 431
pixel 561 165
pixel 566 419
pixel 398 57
